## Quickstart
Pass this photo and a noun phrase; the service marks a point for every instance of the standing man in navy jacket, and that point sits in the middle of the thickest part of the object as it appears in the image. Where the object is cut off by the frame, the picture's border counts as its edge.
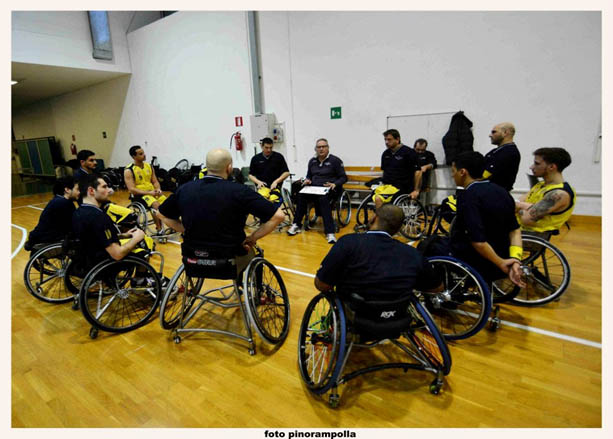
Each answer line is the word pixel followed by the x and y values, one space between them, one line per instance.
pixel 326 170
pixel 502 162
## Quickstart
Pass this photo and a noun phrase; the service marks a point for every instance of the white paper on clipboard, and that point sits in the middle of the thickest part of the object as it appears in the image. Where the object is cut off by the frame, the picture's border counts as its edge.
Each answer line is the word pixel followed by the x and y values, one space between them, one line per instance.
pixel 315 190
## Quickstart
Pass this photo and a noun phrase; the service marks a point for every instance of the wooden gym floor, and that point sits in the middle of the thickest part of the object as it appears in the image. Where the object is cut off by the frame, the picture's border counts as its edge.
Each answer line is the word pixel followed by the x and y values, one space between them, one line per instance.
pixel 542 368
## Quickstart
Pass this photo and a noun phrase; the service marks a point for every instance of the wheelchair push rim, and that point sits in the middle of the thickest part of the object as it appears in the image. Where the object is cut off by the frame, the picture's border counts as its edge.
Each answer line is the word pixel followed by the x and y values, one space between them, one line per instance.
pixel 546 273
pixel 44 275
pixel 267 300
pixel 111 299
pixel 463 307
pixel 179 297
pixel 321 343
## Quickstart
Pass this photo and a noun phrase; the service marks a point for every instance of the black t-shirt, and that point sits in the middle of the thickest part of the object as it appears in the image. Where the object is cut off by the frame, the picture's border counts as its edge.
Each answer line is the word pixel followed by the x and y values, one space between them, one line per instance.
pixel 503 163
pixel 485 213
pixel 330 170
pixel 268 169
pixel 95 230
pixel 54 223
pixel 375 265
pixel 426 158
pixel 399 168
pixel 213 212
pixel 78 174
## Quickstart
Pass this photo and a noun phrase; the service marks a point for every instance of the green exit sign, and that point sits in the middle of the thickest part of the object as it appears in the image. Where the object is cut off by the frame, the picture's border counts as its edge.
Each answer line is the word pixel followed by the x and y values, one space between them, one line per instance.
pixel 335 113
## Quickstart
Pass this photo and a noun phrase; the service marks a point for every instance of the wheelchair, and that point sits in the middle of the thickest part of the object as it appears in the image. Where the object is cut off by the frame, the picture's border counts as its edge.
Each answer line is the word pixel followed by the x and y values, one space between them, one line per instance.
pixel 331 328
pixel 341 211
pixel 415 217
pixel 145 220
pixel 49 275
pixel 546 273
pixel 260 294
pixel 464 305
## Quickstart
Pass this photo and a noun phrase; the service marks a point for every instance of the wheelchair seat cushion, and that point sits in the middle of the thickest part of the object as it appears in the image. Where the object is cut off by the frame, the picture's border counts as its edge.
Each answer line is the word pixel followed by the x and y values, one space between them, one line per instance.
pixel 203 262
pixel 380 319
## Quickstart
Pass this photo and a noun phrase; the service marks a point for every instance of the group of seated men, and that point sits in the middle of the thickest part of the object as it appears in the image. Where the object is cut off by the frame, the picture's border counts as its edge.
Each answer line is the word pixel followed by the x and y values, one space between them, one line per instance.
pixel 211 212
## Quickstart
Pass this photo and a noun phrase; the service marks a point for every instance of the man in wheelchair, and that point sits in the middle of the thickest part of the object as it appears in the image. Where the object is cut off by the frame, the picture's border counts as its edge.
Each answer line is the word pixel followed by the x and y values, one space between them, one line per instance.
pixel 55 220
pixel 486 234
pixel 211 213
pixel 374 265
pixel 96 232
pixel 550 203
pixel 268 170
pixel 326 170
pixel 142 183
pixel 401 170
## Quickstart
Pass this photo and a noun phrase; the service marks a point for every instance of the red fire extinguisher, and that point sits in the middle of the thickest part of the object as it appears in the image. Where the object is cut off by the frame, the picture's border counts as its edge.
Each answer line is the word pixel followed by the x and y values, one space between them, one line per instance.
pixel 73 149
pixel 238 141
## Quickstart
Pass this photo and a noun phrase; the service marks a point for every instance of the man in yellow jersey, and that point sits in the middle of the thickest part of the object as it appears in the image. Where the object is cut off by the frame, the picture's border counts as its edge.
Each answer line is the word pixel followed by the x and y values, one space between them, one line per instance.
pixel 550 203
pixel 141 181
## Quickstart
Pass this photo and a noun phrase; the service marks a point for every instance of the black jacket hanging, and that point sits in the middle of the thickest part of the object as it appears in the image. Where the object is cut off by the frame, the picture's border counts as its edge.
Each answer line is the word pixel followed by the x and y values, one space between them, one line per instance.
pixel 459 138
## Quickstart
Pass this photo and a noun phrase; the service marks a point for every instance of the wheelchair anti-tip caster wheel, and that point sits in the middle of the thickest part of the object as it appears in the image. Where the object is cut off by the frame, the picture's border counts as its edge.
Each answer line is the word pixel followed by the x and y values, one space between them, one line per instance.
pixel 495 323
pixel 435 387
pixel 334 400
pixel 177 339
pixel 93 333
pixel 252 351
pixel 75 305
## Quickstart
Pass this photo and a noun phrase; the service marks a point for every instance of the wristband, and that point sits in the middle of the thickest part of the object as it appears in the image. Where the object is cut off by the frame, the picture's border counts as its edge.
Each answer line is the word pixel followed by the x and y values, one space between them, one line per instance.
pixel 516 252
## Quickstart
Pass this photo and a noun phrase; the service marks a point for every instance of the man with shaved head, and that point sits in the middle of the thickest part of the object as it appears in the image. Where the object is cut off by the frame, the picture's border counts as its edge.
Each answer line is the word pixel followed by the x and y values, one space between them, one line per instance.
pixel 211 213
pixel 502 162
pixel 373 264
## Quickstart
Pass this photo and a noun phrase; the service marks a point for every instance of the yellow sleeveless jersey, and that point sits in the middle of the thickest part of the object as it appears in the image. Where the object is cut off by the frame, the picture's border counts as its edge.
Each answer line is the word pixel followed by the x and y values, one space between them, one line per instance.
pixel 553 221
pixel 142 176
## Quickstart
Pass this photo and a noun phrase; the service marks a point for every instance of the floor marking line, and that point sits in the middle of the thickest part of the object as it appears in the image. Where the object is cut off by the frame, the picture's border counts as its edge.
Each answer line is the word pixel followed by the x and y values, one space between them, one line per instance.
pixel 545 332
pixel 34 207
pixel 24 233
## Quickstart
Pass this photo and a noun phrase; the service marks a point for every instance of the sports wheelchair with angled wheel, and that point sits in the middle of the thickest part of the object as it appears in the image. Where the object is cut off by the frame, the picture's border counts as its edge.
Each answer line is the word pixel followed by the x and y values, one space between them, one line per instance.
pixel 341 211
pixel 332 328
pixel 415 217
pixel 463 306
pixel 145 219
pixel 259 292
pixel 545 271
pixel 50 275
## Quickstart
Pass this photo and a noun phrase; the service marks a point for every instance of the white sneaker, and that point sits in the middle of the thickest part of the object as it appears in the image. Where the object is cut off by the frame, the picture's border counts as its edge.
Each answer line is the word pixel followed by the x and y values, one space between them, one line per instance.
pixel 293 229
pixel 331 238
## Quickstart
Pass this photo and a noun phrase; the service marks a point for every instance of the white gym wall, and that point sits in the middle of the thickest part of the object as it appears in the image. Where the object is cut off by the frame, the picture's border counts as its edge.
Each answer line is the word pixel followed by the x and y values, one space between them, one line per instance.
pixel 190 77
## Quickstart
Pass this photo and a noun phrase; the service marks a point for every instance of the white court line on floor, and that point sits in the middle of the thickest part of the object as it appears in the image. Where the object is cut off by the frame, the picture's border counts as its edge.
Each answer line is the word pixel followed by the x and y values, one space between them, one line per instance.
pixel 34 207
pixel 24 233
pixel 502 322
pixel 30 205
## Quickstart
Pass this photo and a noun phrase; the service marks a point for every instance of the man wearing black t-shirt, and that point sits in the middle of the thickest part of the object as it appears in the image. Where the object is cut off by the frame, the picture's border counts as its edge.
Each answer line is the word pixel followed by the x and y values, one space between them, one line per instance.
pixel 375 265
pixel 425 160
pixel 326 170
pixel 94 228
pixel 399 164
pixel 211 213
pixel 502 162
pixel 55 221
pixel 268 168
pixel 486 234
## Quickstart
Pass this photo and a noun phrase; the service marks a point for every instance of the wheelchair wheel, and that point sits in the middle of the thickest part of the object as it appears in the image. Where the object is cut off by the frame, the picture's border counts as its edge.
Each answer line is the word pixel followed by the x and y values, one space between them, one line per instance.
pixel 118 296
pixel 321 343
pixel 141 215
pixel 364 214
pixel 289 204
pixel 415 217
pixel 546 273
pixel 462 308
pixel 73 278
pixel 181 289
pixel 267 300
pixel 343 209
pixel 43 275
pixel 427 339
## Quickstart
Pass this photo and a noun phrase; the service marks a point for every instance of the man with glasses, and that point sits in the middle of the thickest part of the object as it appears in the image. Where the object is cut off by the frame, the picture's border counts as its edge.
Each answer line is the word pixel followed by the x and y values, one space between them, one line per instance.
pixel 325 170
